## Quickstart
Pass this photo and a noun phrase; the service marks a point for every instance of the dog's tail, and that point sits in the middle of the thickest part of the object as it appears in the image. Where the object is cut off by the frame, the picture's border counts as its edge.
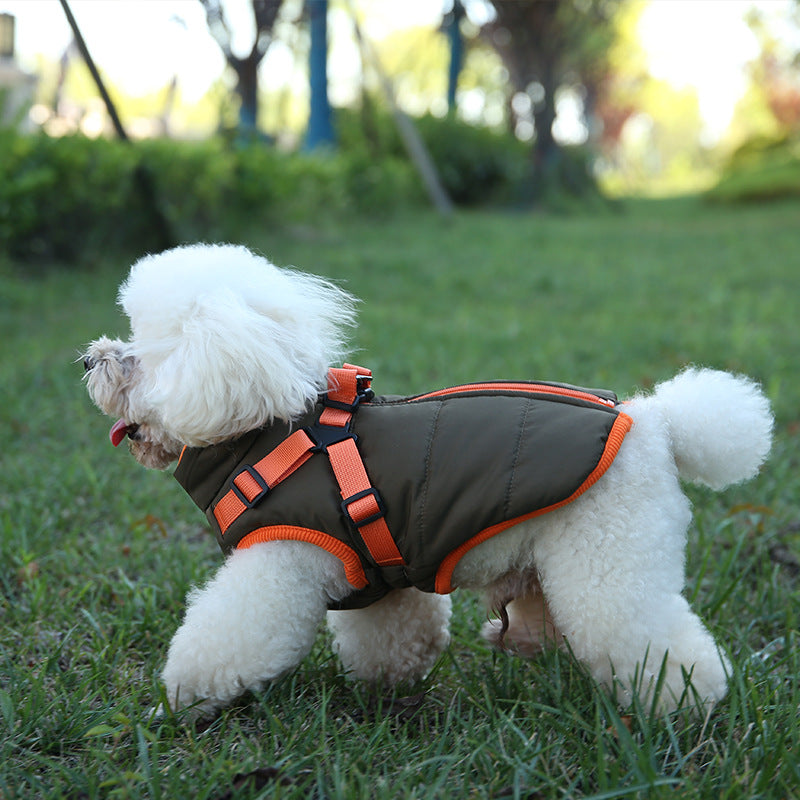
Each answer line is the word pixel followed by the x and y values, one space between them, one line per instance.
pixel 720 425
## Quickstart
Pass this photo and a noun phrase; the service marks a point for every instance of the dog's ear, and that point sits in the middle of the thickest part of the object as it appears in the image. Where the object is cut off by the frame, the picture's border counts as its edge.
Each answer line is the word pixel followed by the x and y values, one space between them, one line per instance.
pixel 228 342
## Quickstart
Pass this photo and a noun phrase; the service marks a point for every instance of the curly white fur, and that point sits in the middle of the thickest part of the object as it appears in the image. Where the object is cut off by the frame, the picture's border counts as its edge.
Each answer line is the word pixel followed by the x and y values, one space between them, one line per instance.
pixel 227 342
pixel 223 342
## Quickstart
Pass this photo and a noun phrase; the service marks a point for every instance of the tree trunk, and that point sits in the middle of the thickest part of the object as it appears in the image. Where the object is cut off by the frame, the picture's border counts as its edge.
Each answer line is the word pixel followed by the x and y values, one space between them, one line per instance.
pixel 247 90
pixel 452 27
pixel 545 149
pixel 546 153
pixel 320 129
pixel 265 12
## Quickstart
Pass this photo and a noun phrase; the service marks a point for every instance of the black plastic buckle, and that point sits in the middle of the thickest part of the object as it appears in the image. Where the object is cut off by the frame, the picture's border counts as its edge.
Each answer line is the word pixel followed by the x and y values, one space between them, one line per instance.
pixel 381 512
pixel 364 396
pixel 258 479
pixel 323 436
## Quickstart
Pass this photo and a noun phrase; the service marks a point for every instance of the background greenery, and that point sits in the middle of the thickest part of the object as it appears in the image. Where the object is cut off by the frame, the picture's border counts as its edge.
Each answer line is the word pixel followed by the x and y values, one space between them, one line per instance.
pixel 73 198
pixel 98 553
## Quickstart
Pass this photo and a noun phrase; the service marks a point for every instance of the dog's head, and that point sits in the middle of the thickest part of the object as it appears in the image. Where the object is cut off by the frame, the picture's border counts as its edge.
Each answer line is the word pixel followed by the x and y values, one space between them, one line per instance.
pixel 221 342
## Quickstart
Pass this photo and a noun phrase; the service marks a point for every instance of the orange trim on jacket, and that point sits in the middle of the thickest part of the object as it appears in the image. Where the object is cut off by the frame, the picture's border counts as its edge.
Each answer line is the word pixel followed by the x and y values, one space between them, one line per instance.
pixel 277 533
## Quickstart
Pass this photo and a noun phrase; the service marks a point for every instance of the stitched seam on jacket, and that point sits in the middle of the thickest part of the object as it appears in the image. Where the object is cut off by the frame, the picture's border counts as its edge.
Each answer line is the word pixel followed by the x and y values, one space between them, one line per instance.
pixel 517 450
pixel 426 477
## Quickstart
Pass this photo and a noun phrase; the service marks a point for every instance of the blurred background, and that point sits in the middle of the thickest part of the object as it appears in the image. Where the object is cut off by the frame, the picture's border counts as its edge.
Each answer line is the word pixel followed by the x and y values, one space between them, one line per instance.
pixel 379 103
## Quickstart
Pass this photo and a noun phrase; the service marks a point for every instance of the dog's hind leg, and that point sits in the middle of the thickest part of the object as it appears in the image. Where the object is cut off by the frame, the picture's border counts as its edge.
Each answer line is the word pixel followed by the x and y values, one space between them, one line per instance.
pixel 397 638
pixel 611 566
pixel 617 600
pixel 255 620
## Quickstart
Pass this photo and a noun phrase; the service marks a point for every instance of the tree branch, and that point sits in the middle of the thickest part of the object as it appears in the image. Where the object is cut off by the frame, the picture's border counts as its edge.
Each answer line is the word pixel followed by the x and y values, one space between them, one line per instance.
pixel 265 13
pixel 218 27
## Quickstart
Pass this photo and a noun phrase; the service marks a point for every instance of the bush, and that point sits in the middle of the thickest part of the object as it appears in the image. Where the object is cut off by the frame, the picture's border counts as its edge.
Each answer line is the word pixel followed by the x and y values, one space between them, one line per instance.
pixel 760 170
pixel 477 165
pixel 63 198
pixel 52 192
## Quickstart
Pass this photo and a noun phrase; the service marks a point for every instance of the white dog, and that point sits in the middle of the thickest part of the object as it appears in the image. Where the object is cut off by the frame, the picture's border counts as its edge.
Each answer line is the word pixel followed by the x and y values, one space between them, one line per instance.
pixel 225 346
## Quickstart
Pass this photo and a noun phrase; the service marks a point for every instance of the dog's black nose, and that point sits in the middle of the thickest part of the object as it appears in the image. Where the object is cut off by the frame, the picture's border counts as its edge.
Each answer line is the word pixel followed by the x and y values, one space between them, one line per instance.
pixel 87 363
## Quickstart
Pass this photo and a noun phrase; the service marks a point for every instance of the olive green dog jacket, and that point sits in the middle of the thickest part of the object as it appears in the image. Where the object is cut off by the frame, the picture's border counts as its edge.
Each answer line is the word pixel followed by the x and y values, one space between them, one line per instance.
pixel 450 469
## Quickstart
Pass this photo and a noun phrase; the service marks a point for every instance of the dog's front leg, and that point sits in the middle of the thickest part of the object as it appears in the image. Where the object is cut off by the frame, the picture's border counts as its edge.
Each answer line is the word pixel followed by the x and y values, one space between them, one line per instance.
pixel 395 639
pixel 255 620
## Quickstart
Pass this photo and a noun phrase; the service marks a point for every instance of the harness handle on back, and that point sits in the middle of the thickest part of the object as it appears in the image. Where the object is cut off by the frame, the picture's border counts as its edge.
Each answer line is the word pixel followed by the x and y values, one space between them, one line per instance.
pixel 362 505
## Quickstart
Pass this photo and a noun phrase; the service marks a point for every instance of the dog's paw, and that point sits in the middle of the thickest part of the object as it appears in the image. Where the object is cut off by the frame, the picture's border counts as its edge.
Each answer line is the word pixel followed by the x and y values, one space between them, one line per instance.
pixel 176 705
pixel 160 713
pixel 198 715
pixel 695 679
pixel 705 681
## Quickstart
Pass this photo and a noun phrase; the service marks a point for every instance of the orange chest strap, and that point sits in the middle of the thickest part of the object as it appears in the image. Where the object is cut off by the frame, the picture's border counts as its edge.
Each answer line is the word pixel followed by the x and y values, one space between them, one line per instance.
pixel 361 503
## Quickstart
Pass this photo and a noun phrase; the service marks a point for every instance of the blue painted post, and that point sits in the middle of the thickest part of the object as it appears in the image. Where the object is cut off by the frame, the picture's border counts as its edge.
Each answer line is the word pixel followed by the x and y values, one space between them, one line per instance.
pixel 320 127
pixel 452 26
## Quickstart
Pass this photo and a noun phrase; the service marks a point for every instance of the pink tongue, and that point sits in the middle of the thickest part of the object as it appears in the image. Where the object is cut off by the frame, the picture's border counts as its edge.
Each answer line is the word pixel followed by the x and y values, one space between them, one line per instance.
pixel 118 432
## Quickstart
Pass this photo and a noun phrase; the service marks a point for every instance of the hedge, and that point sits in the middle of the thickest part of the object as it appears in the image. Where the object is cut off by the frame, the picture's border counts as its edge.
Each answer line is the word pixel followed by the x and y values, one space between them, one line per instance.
pixel 476 165
pixel 759 171
pixel 60 198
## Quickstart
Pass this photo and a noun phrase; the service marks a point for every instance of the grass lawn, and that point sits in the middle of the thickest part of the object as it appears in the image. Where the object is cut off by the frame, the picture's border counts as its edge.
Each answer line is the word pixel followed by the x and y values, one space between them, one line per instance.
pixel 98 553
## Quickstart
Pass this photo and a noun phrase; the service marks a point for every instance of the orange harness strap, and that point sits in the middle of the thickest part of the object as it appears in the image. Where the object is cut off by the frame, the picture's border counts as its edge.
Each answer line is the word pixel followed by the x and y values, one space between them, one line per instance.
pixel 251 485
pixel 361 503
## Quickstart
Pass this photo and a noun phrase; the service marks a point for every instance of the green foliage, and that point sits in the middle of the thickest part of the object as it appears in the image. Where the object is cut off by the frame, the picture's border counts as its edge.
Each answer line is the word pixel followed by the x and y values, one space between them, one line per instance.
pixel 761 169
pixel 477 165
pixel 565 182
pixel 66 198
pixel 661 152
pixel 98 553
pixel 53 190
pixel 61 199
